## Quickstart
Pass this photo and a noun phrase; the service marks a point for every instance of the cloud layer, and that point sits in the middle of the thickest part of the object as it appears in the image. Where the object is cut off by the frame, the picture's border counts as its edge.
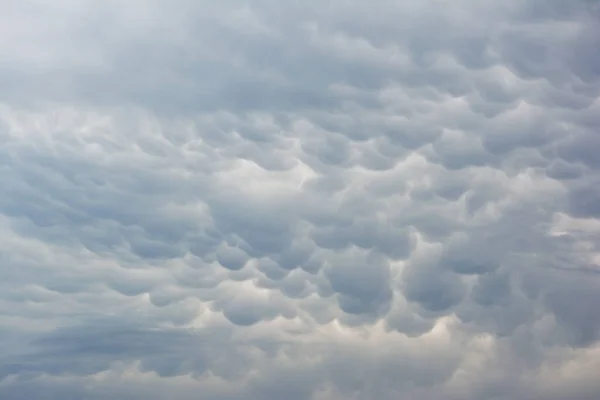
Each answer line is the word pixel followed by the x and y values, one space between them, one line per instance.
pixel 255 199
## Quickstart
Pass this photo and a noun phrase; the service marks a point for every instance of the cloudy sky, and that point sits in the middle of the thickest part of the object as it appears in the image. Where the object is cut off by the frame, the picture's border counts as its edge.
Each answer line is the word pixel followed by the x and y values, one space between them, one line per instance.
pixel 301 199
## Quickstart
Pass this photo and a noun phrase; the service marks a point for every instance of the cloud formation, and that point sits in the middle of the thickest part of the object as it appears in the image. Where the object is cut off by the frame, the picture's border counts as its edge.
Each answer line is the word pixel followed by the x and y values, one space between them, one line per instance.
pixel 255 199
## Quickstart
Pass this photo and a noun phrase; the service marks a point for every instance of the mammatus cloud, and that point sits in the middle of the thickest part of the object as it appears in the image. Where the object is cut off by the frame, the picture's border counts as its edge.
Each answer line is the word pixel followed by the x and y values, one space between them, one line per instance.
pixel 307 200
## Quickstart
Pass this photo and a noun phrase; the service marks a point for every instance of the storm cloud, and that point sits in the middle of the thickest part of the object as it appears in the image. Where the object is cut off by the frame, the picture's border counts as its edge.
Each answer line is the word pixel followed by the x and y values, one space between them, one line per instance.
pixel 260 199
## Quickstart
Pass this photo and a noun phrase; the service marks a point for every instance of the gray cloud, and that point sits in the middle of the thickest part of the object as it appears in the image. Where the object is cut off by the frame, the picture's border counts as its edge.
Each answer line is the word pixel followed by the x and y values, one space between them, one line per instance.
pixel 257 199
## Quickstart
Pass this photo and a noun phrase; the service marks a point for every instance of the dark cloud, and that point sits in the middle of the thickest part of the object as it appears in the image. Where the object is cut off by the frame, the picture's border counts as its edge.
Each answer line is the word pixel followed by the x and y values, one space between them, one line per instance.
pixel 263 199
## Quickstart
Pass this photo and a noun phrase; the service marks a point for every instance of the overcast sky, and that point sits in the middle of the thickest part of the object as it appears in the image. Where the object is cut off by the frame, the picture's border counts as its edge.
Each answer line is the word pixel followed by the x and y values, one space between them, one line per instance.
pixel 300 199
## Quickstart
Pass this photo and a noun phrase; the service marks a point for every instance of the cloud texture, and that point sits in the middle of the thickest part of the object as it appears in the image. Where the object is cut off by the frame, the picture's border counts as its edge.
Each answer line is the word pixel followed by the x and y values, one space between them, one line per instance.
pixel 324 200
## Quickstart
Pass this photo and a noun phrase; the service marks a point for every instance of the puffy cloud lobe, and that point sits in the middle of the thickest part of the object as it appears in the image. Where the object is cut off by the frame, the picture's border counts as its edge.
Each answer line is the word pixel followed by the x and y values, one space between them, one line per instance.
pixel 252 199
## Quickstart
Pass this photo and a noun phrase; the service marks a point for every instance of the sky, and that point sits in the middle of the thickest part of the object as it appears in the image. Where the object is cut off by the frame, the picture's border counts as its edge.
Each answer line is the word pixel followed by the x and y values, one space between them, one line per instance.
pixel 303 200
